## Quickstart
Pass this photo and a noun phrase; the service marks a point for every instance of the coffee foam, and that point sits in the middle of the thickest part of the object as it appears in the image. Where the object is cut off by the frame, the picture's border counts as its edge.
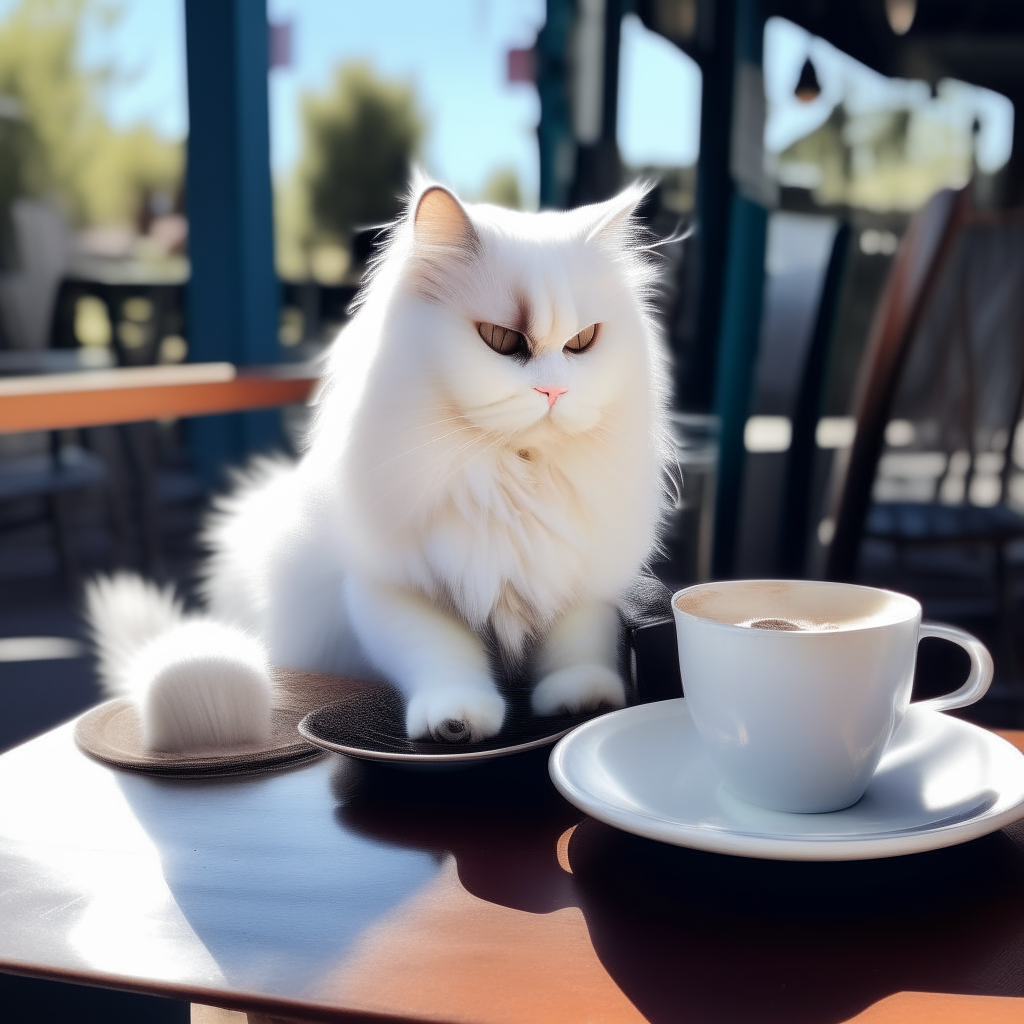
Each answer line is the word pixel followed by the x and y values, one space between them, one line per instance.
pixel 795 606
pixel 786 625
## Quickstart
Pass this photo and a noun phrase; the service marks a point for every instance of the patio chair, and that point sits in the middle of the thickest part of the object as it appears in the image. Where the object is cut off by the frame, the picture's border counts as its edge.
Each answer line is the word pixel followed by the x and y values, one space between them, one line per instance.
pixel 801 459
pixel 51 476
pixel 939 398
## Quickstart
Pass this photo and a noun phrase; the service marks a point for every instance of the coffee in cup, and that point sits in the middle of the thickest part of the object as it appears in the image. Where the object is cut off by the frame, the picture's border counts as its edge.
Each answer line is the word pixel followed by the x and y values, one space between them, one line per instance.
pixel 796 687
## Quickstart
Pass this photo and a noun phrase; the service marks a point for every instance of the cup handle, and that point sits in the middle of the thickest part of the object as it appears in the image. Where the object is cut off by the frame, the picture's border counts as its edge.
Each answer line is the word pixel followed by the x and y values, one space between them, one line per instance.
pixel 980 677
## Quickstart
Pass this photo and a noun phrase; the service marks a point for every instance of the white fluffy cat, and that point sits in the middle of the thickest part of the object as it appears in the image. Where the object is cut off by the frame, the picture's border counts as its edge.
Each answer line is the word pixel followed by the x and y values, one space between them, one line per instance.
pixel 486 463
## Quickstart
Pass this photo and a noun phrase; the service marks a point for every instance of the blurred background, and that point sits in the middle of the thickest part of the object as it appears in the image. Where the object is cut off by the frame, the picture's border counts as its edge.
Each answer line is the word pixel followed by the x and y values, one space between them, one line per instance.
pixel 187 181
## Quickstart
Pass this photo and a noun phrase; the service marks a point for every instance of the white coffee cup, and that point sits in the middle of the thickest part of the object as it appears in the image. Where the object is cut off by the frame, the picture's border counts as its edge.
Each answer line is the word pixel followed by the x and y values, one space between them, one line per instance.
pixel 796 687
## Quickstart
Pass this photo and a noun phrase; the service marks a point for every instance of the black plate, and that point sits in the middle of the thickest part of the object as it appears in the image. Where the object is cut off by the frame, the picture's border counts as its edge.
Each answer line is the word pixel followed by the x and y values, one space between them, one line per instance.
pixel 371 725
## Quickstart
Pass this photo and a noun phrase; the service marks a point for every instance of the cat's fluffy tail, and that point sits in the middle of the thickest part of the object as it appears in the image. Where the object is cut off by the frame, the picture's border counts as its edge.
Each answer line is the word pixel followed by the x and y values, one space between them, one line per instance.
pixel 198 683
pixel 124 613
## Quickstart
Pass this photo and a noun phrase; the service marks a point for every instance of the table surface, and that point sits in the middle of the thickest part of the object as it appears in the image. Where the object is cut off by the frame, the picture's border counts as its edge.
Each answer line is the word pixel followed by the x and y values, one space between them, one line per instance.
pixel 336 891
pixel 80 396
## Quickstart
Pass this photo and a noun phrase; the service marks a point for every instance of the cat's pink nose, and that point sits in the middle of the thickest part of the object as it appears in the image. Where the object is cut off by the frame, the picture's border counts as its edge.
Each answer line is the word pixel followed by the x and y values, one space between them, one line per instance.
pixel 553 393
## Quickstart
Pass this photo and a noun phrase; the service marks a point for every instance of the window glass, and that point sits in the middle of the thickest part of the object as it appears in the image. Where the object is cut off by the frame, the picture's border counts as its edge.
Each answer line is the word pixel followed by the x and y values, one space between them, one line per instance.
pixel 659 110
pixel 851 136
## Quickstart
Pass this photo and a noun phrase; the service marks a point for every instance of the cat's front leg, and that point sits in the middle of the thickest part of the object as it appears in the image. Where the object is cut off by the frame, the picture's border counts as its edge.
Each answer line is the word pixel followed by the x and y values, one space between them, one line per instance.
pixel 578 663
pixel 434 658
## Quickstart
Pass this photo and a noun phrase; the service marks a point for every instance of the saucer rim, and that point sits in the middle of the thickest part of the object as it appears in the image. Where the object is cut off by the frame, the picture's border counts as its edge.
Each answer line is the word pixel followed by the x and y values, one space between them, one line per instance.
pixel 367 754
pixel 765 846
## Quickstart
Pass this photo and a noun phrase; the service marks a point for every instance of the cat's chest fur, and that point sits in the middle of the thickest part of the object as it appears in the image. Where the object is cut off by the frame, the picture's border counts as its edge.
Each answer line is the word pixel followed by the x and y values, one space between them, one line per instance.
pixel 519 536
pixel 507 538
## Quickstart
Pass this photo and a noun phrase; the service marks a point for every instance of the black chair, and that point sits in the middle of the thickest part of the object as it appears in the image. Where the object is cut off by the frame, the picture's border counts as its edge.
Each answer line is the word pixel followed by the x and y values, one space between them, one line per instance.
pixel 51 476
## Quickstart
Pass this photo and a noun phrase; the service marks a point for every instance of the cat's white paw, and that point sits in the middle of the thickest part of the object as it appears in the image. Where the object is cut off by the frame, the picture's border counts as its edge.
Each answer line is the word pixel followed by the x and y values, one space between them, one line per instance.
pixel 578 688
pixel 455 713
pixel 202 685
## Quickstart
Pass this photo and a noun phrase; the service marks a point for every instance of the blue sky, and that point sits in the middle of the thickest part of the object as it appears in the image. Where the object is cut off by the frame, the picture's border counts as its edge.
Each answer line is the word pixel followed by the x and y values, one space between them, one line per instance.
pixel 659 100
pixel 453 51
pixel 146 46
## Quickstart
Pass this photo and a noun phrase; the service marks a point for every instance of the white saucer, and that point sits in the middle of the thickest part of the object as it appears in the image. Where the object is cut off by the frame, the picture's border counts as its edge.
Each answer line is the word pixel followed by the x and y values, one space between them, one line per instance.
pixel 643 769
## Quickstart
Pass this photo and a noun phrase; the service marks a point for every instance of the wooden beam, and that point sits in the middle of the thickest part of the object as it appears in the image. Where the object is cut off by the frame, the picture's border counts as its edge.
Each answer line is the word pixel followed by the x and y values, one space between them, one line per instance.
pixel 131 394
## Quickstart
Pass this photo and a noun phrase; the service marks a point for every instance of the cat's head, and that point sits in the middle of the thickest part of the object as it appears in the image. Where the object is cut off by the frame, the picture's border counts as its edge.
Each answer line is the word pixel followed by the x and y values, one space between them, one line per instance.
pixel 525 323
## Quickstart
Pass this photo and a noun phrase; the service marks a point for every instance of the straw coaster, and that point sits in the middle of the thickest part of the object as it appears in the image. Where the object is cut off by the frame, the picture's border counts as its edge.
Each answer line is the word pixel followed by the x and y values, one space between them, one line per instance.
pixel 112 732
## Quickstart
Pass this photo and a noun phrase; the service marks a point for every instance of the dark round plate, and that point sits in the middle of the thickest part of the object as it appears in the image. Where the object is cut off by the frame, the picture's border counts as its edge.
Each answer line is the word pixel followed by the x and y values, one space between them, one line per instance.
pixel 371 725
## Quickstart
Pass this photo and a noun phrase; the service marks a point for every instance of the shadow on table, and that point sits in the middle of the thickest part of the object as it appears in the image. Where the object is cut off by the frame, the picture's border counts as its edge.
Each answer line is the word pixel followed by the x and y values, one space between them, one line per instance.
pixel 500 820
pixel 743 939
pixel 723 938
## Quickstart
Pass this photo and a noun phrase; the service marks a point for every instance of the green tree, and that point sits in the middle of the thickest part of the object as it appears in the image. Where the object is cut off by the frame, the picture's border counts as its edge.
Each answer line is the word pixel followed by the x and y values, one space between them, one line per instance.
pixel 360 138
pixel 54 141
pixel 125 170
pixel 502 189
pixel 56 99
pixel 889 159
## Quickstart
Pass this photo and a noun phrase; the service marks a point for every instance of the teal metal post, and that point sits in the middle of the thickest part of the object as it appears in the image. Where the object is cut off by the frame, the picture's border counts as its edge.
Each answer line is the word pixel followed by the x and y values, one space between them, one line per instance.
pixel 740 325
pixel 554 131
pixel 695 347
pixel 233 293
pixel 734 377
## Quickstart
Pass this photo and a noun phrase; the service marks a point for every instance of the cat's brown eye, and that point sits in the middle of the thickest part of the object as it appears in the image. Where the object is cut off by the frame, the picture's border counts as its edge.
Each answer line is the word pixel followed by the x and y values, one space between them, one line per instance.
pixel 504 340
pixel 582 341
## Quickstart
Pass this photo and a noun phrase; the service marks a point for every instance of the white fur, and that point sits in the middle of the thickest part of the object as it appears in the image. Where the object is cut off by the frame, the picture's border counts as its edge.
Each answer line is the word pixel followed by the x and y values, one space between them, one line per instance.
pixel 125 612
pixel 202 685
pixel 198 683
pixel 440 499
pixel 577 666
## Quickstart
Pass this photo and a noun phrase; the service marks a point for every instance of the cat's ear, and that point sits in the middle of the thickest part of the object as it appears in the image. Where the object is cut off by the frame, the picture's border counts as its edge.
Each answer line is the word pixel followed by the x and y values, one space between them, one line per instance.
pixel 439 219
pixel 614 214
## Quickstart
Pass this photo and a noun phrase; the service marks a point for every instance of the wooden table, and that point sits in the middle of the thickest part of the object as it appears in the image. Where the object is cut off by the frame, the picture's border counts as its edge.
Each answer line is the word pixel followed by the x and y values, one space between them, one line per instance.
pixel 332 892
pixel 89 398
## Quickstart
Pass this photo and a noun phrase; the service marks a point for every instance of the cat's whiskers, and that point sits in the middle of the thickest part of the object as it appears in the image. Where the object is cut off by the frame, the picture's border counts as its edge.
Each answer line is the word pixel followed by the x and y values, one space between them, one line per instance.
pixel 491 410
pixel 456 470
pixel 425 444
pixel 601 429
pixel 496 402
pixel 499 439
pixel 438 423
pixel 420 428
pixel 422 468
